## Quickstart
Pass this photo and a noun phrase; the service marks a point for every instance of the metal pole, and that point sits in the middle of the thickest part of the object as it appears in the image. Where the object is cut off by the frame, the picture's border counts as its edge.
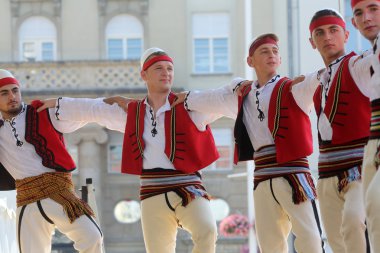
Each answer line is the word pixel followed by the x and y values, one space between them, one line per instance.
pixel 249 75
pixel 84 191
pixel 248 34
pixel 251 215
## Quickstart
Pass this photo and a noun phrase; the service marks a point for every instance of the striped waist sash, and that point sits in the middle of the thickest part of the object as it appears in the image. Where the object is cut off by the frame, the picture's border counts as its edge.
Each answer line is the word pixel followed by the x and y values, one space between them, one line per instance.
pixel 158 181
pixel 334 159
pixel 343 161
pixel 266 166
pixel 297 173
pixel 375 119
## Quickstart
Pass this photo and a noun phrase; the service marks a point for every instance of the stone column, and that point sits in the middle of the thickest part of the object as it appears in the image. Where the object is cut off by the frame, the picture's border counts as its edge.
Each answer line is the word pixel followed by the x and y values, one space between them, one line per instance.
pixel 91 160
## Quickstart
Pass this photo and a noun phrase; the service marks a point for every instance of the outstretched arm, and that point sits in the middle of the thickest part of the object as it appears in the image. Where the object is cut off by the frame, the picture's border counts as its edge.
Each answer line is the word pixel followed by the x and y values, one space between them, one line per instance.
pixel 66 111
pixel 303 90
pixel 222 101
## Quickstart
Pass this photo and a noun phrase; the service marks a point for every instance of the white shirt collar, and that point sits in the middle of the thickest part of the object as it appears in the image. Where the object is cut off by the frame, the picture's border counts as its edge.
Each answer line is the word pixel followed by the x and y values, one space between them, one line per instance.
pixel 336 61
pixel 272 80
pixel 164 108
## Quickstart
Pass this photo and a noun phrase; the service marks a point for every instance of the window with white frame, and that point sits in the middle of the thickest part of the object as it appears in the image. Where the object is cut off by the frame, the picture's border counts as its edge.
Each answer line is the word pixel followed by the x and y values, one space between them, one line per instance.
pixel 223 142
pixel 356 42
pixel 211 43
pixel 37 39
pixel 124 38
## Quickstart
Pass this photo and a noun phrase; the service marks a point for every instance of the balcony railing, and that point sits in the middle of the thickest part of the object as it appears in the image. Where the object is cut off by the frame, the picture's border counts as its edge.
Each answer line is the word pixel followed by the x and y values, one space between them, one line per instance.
pixel 77 76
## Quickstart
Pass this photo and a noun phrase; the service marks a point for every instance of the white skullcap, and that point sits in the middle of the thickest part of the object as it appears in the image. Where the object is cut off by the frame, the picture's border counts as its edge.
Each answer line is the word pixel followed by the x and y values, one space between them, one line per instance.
pixel 6 78
pixel 148 53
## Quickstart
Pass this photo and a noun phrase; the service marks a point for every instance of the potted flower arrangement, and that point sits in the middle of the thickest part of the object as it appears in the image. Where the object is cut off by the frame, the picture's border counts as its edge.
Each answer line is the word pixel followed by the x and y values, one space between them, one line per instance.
pixel 234 225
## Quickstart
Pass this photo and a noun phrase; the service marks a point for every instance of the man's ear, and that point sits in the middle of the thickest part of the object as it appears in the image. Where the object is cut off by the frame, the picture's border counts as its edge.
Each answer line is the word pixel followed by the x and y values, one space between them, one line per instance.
pixel 354 23
pixel 250 61
pixel 143 75
pixel 346 35
pixel 312 43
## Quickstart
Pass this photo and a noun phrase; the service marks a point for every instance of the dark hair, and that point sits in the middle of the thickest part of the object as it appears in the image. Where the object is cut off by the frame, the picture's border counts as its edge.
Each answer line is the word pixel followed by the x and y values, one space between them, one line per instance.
pixel 325 12
pixel 270 35
pixel 259 39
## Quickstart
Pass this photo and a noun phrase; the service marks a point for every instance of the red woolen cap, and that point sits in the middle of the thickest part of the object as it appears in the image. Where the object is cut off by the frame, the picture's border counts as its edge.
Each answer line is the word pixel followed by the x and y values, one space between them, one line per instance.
pixel 327 20
pixel 354 2
pixel 265 40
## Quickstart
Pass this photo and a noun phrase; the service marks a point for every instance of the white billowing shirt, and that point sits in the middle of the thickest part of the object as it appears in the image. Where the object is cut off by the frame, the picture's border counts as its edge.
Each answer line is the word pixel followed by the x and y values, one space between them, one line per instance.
pixel 87 110
pixel 223 101
pixel 375 79
pixel 17 155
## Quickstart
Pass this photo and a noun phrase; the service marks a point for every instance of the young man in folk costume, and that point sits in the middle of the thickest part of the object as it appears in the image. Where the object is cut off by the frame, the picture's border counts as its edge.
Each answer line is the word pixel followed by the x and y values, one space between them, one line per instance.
pixel 343 110
pixel 36 162
pixel 272 128
pixel 366 18
pixel 166 147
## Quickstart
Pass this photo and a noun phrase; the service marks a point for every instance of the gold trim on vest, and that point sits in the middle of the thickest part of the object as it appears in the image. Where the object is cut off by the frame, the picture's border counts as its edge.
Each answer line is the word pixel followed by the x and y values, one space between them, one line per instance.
pixel 334 108
pixel 138 135
pixel 278 109
pixel 172 133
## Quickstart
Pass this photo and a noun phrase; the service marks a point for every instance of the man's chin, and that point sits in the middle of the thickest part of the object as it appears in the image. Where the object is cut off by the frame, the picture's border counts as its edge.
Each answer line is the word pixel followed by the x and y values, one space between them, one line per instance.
pixel 15 110
pixel 371 36
pixel 331 53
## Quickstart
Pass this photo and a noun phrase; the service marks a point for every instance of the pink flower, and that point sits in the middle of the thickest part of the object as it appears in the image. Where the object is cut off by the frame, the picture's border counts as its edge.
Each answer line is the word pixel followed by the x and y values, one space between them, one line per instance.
pixel 234 225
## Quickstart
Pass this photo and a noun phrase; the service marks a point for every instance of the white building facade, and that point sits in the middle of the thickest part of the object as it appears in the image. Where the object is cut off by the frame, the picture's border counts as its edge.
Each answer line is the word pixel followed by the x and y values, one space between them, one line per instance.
pixel 91 48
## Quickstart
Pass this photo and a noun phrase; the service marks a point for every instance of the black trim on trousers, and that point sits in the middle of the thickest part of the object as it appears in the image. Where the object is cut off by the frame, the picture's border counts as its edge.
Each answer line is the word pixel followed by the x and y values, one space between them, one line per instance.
pixel 368 245
pixel 271 189
pixel 19 227
pixel 316 216
pixel 168 203
pixel 96 224
pixel 39 205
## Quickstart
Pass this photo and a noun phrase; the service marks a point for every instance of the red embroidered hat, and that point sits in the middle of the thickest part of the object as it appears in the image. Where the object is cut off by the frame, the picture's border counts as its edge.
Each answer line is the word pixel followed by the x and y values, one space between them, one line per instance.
pixel 7 78
pixel 263 39
pixel 354 2
pixel 327 20
pixel 145 64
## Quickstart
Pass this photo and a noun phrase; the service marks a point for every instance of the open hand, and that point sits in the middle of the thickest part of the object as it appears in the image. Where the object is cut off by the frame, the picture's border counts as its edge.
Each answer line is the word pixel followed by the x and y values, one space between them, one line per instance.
pixel 298 79
pixel 242 86
pixel 47 103
pixel 120 101
pixel 180 98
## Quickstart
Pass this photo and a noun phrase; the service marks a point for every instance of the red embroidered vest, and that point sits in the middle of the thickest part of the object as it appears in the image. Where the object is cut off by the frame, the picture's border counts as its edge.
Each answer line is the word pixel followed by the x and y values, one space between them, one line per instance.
pixel 289 125
pixel 186 147
pixel 347 109
pixel 47 141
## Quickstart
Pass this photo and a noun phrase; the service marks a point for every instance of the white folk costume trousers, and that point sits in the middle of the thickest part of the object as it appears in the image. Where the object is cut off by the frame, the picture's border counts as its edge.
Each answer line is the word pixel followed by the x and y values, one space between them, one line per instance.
pixel 277 215
pixel 161 215
pixel 343 215
pixel 371 189
pixel 35 228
